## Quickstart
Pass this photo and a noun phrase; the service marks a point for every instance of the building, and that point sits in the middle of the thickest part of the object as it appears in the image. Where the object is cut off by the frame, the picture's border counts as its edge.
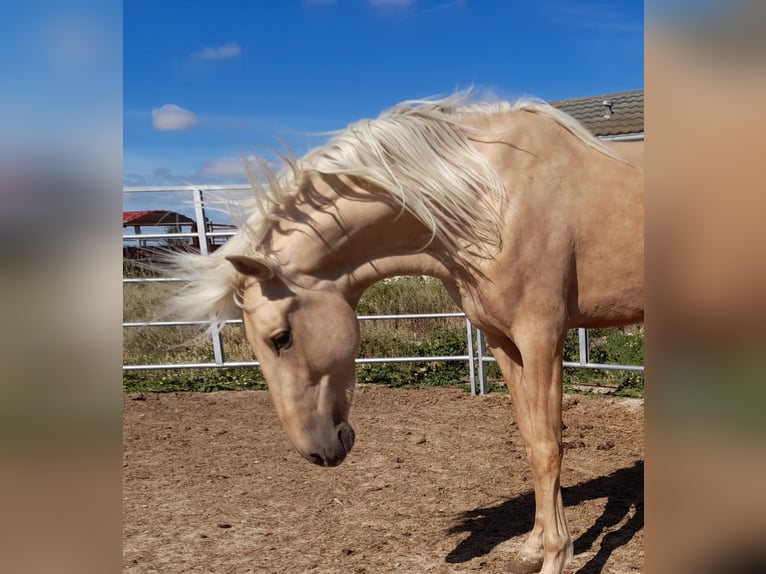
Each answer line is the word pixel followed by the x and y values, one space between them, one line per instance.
pixel 617 116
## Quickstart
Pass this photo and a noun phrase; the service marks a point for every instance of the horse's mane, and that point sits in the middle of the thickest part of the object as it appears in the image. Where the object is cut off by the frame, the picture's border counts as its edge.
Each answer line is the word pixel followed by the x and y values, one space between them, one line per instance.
pixel 418 154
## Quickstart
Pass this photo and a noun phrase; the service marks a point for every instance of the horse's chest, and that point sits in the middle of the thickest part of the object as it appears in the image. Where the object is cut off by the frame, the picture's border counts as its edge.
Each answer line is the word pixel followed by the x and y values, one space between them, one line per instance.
pixel 484 316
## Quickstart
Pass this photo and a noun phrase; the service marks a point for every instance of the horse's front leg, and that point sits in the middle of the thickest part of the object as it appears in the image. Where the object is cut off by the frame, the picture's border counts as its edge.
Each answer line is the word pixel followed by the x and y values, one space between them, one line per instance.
pixel 530 556
pixel 532 369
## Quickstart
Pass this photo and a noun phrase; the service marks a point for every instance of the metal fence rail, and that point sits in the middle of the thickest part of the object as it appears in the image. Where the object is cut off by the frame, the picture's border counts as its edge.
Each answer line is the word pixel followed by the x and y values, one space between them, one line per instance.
pixel 475 356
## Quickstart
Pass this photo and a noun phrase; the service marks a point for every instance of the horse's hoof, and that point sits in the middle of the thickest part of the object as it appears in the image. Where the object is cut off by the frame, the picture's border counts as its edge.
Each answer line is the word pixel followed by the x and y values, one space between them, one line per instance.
pixel 524 565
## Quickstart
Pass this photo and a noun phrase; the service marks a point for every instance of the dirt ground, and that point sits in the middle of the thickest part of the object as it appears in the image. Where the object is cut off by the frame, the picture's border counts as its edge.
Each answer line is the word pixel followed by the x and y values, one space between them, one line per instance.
pixel 437 482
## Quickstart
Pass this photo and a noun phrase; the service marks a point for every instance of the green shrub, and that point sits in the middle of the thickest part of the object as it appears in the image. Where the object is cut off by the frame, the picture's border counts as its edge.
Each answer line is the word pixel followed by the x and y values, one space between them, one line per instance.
pixel 624 345
pixel 440 341
pixel 193 380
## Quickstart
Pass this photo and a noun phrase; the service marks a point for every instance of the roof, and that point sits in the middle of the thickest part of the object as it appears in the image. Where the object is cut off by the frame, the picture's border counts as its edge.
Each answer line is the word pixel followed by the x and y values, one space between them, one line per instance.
pixel 154 217
pixel 614 114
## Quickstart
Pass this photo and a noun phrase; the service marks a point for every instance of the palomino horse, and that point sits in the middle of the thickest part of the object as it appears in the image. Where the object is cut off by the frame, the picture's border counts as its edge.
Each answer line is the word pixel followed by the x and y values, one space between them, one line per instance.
pixel 533 225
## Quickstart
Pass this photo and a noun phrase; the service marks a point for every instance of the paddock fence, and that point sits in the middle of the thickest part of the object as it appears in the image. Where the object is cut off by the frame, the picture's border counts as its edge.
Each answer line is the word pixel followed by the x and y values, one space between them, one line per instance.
pixel 205 238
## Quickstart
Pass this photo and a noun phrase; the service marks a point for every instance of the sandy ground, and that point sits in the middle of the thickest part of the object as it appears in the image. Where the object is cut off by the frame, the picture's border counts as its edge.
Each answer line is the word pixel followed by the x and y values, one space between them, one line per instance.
pixel 437 482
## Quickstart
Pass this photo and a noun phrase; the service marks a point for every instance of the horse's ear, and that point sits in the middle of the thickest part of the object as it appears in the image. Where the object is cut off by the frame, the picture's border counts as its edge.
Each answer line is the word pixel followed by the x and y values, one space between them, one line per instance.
pixel 256 267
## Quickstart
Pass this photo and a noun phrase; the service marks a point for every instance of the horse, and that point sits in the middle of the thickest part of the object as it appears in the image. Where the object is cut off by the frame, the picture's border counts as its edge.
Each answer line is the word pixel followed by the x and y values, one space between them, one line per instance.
pixel 533 225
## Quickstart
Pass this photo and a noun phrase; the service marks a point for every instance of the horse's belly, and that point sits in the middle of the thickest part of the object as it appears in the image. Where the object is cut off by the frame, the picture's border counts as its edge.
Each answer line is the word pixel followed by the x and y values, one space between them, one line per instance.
pixel 622 307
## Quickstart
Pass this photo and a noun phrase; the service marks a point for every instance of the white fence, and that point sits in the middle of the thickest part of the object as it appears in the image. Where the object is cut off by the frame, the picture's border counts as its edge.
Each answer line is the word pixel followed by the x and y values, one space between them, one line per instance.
pixel 206 238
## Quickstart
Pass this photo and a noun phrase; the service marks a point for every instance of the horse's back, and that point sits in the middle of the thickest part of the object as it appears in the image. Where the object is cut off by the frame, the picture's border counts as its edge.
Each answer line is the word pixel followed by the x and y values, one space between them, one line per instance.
pixel 572 224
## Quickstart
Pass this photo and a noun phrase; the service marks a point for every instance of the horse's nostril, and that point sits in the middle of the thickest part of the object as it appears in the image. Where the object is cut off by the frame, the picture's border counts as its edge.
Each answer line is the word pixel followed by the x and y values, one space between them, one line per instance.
pixel 346 437
pixel 337 460
pixel 317 459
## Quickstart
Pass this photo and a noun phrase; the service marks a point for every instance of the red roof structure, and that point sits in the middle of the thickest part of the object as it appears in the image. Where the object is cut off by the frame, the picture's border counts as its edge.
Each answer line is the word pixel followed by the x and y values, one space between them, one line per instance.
pixel 174 222
pixel 154 217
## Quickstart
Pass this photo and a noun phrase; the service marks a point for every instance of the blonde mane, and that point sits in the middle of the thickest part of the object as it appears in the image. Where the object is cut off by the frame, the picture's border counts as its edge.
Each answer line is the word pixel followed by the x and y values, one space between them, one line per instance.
pixel 417 154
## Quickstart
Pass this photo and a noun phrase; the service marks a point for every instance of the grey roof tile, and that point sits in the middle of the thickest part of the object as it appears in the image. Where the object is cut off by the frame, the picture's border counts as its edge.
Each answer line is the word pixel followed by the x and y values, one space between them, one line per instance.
pixel 625 115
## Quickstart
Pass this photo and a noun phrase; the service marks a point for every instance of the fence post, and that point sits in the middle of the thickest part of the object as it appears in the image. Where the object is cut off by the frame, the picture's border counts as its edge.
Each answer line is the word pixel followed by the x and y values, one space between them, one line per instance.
pixel 582 339
pixel 469 344
pixel 482 371
pixel 204 249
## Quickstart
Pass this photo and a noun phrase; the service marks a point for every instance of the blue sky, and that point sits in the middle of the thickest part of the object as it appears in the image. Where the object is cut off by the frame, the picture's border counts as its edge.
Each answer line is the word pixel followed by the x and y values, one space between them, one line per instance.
pixel 205 81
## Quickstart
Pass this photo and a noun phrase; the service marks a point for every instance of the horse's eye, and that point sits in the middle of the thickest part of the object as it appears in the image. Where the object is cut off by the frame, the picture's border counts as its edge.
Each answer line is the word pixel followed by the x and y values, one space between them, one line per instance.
pixel 282 340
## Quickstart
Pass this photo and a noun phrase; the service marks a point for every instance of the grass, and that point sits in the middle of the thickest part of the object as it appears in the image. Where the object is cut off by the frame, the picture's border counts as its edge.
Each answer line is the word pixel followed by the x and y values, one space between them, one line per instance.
pixel 380 338
pixel 157 345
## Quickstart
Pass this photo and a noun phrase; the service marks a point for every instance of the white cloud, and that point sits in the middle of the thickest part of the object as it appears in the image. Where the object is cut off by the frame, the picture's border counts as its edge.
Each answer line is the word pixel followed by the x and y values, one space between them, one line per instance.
pixel 224 167
pixel 171 117
pixel 224 52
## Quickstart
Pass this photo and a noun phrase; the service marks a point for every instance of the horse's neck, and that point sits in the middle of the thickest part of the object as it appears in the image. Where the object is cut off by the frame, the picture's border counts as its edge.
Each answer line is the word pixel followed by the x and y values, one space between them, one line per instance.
pixel 357 243
pixel 430 263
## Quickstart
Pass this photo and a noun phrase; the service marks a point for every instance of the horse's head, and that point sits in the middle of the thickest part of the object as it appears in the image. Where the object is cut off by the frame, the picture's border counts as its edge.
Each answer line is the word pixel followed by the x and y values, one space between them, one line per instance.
pixel 306 341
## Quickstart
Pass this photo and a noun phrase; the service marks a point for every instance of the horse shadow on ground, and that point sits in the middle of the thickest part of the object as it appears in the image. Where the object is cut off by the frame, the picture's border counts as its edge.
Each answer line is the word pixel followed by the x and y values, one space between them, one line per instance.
pixel 623 489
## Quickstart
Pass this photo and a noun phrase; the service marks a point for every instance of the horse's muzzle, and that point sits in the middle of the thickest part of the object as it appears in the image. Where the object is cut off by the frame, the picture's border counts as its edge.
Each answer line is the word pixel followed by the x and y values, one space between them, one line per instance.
pixel 336 454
